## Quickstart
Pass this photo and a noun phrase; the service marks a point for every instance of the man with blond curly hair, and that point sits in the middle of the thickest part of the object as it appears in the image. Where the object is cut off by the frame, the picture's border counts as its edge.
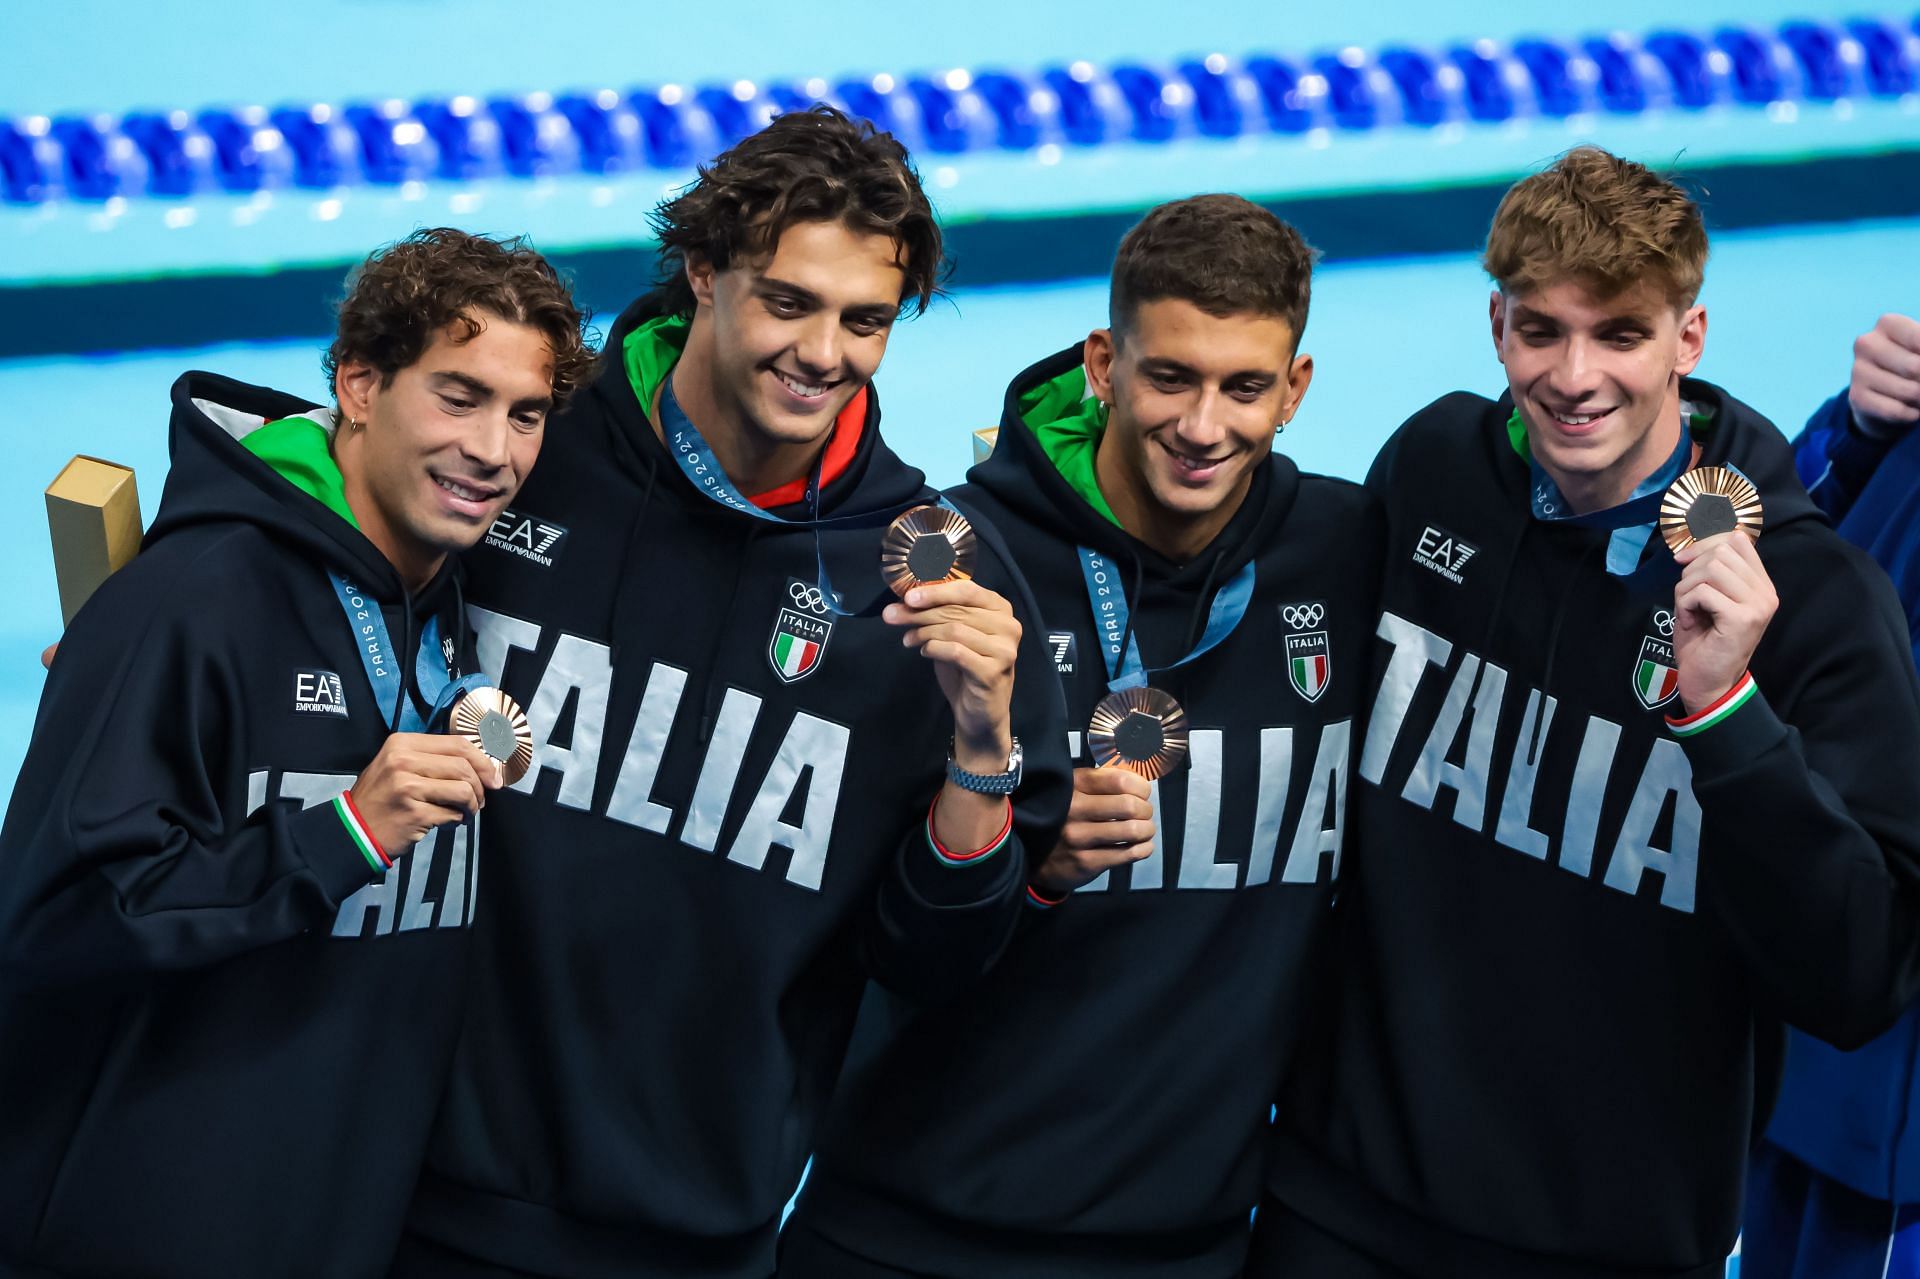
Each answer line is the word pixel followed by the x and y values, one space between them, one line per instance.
pixel 1624 810
pixel 238 870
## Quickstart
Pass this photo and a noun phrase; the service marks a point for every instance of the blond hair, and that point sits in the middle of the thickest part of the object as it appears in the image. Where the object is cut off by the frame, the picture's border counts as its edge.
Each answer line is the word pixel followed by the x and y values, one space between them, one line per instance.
pixel 1606 222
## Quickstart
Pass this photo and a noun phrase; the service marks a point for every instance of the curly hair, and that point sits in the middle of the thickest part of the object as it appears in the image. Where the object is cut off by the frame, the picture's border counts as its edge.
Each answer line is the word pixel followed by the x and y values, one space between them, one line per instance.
pixel 1224 254
pixel 444 278
pixel 1604 221
pixel 806 166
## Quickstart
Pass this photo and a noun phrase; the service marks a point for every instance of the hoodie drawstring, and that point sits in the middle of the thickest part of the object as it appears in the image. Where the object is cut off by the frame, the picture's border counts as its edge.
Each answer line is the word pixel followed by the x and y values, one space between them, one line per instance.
pixel 1553 646
pixel 625 598
pixel 1202 602
pixel 709 688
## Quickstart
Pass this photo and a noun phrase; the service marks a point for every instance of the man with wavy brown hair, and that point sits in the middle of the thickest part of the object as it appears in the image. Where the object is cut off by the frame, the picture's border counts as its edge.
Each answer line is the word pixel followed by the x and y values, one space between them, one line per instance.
pixel 238 871
pixel 752 792
pixel 1629 798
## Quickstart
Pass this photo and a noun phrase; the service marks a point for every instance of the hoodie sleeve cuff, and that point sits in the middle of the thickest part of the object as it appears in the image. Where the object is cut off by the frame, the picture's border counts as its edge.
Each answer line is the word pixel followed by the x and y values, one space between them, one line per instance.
pixel 1038 900
pixel 948 857
pixel 944 877
pixel 335 841
pixel 1734 731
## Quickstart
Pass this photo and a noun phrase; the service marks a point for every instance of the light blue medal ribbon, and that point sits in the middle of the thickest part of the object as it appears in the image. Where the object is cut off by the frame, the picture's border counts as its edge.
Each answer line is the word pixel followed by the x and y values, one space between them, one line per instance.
pixel 430 668
pixel 1110 613
pixel 689 449
pixel 1629 526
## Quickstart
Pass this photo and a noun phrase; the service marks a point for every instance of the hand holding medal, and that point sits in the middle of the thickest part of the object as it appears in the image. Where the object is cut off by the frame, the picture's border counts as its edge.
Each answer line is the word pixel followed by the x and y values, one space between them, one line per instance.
pixel 927 558
pixel 416 782
pixel 972 637
pixel 1724 598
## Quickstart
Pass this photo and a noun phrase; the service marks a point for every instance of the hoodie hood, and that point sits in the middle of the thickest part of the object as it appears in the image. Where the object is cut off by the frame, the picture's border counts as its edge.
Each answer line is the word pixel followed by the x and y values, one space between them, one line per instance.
pixel 1737 435
pixel 871 480
pixel 216 478
pixel 245 454
pixel 1042 468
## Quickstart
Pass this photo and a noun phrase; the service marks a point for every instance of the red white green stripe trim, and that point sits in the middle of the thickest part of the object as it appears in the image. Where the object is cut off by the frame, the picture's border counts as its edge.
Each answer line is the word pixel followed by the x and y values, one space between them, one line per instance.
pixel 1732 700
pixel 357 831
pixel 951 858
pixel 1040 900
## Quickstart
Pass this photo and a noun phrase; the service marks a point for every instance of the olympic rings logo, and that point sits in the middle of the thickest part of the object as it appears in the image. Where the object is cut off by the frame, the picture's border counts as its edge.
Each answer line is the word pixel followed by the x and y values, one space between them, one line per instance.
pixel 1302 616
pixel 807 597
pixel 1663 622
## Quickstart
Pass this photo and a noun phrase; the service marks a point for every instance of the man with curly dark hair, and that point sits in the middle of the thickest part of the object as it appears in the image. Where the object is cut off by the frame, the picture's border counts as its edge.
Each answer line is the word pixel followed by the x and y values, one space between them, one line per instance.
pixel 752 793
pixel 238 869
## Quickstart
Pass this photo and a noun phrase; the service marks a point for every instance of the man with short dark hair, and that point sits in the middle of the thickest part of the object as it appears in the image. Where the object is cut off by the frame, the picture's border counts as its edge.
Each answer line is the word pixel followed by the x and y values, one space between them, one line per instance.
pixel 739 812
pixel 1097 1106
pixel 237 872
pixel 1630 796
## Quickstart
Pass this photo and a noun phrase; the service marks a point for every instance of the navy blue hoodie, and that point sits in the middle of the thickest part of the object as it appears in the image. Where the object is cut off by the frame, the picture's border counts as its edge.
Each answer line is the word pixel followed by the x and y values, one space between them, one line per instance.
pixel 222 1035
pixel 725 836
pixel 1855 1116
pixel 1572 937
pixel 1098 1106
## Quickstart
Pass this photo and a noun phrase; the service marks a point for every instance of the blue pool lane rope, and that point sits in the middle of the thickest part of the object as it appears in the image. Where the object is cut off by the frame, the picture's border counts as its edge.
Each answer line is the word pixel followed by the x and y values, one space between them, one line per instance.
pixel 177 154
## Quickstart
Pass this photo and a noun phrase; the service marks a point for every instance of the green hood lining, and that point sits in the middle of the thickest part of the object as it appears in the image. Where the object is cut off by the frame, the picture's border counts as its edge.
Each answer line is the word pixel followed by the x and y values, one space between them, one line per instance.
pixel 301 451
pixel 650 352
pixel 1068 422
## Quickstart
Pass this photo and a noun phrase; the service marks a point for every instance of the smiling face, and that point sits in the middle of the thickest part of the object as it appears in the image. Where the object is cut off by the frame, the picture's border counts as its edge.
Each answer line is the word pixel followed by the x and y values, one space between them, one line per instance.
pixel 783 342
pixel 1194 400
pixel 1597 381
pixel 443 446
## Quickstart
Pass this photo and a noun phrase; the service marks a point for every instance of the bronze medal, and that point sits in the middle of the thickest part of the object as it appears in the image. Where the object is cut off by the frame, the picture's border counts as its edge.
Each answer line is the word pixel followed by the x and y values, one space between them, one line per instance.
pixel 1139 729
pixel 1708 501
pixel 495 723
pixel 924 547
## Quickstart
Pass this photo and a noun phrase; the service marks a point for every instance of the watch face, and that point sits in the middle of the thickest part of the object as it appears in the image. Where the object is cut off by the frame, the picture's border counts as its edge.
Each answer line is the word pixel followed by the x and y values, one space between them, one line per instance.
pixel 1000 783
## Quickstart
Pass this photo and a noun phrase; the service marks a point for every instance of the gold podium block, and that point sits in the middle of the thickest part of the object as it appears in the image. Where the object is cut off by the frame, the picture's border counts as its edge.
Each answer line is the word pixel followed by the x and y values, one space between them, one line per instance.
pixel 983 442
pixel 93 512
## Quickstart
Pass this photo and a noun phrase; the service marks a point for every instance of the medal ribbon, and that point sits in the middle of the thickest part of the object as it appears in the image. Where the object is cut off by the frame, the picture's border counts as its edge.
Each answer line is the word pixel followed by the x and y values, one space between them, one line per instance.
pixel 695 458
pixel 1642 507
pixel 1110 613
pixel 1631 523
pixel 430 672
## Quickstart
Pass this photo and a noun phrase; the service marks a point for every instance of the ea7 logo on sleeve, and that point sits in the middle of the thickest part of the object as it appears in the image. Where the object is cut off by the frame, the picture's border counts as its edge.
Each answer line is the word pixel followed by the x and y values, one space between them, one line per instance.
pixel 801 630
pixel 1064 650
pixel 318 693
pixel 1442 552
pixel 1309 653
pixel 528 536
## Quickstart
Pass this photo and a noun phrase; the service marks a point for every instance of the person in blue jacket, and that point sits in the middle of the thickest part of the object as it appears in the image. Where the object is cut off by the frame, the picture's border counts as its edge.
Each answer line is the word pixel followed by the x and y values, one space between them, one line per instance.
pixel 1834 1191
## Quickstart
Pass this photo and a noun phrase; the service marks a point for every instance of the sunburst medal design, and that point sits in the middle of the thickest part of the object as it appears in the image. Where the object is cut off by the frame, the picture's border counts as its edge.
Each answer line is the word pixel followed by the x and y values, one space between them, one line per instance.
pixel 495 723
pixel 926 546
pixel 1708 501
pixel 1142 730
